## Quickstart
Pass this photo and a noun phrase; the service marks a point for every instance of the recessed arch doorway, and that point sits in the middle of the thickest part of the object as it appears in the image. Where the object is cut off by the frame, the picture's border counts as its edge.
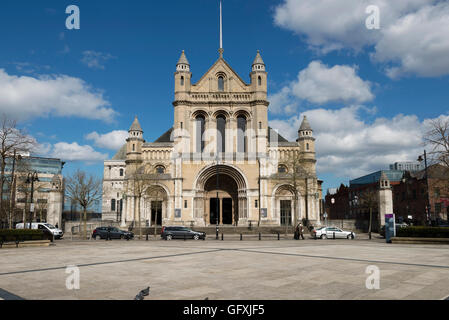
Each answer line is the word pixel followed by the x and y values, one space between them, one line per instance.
pixel 221 196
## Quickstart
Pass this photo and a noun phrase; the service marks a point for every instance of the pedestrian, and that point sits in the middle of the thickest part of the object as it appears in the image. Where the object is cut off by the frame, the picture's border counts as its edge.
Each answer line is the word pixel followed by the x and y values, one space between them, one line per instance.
pixel 301 231
pixel 296 237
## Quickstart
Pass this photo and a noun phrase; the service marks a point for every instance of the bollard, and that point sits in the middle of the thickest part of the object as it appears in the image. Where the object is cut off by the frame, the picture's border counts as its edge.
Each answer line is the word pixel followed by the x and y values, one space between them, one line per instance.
pixel 147 236
pixel 279 236
pixel 260 236
pixel 241 237
pixel 222 237
pixel 184 237
pixel 334 235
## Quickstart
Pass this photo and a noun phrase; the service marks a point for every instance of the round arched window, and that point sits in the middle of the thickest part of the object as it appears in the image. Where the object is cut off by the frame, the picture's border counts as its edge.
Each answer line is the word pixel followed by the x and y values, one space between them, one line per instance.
pixel 220 83
pixel 282 169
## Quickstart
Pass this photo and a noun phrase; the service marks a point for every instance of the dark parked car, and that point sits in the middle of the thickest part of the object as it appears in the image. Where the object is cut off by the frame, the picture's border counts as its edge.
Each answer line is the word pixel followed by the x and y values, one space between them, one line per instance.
pixel 113 233
pixel 169 233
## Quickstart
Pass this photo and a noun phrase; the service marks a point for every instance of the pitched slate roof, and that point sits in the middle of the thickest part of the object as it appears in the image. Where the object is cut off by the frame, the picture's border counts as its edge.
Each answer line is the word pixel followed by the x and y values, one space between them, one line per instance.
pixel 274 136
pixel 121 154
pixel 166 137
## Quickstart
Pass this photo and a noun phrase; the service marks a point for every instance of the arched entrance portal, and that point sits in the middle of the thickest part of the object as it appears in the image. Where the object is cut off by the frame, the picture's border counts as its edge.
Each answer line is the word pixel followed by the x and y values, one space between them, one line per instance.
pixel 285 205
pixel 155 199
pixel 222 202
pixel 221 196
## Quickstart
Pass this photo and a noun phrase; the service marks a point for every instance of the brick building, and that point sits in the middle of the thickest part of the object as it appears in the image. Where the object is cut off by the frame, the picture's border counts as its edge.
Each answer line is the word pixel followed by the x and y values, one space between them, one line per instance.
pixel 414 193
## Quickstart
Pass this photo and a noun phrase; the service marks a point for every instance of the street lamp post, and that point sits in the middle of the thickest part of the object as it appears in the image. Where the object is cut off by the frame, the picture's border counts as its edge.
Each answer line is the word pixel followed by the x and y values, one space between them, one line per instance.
pixel 13 187
pixel 217 201
pixel 420 159
pixel 31 178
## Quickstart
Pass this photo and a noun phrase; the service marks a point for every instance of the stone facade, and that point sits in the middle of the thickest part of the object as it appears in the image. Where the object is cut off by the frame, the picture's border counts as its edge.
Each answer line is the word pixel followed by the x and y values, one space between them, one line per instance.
pixel 47 193
pixel 220 146
pixel 385 199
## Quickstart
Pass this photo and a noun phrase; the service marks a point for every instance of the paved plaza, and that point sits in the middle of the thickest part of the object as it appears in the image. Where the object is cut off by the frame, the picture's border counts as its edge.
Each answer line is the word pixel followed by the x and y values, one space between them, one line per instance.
pixel 268 269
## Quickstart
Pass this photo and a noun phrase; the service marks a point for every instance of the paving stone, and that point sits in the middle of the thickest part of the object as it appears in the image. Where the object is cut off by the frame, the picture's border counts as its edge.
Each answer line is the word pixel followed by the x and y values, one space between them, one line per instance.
pixel 279 270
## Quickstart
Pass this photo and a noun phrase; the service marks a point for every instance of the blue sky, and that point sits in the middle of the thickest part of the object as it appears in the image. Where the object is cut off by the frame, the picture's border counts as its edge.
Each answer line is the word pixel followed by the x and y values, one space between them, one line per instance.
pixel 368 93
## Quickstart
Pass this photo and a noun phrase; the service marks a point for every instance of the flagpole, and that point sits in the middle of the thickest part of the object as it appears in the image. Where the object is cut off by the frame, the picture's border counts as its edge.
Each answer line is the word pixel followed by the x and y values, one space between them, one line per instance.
pixel 221 30
pixel 221 25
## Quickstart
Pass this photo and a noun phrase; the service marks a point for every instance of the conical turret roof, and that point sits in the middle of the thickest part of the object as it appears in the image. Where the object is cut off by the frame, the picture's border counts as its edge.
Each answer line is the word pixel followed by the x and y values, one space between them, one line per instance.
pixel 183 59
pixel 136 125
pixel 258 59
pixel 305 125
pixel 383 176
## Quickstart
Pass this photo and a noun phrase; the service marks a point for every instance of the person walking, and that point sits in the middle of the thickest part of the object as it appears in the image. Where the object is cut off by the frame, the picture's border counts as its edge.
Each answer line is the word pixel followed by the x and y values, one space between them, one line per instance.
pixel 301 231
pixel 296 236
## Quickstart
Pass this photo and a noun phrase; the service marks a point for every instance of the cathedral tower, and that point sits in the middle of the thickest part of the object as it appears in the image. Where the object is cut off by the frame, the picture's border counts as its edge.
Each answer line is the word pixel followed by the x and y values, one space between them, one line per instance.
pixel 134 143
pixel 183 77
pixel 258 85
pixel 385 198
pixel 306 140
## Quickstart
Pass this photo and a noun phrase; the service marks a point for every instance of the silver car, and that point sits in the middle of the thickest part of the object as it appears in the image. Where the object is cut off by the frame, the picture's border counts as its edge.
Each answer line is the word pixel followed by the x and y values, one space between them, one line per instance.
pixel 330 232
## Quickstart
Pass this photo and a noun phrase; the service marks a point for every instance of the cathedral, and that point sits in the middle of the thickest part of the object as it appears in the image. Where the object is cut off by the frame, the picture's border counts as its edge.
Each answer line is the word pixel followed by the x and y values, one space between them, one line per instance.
pixel 220 163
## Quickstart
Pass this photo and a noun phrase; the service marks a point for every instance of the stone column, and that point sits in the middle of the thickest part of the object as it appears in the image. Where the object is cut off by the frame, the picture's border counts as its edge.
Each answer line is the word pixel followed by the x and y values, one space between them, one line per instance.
pixel 124 211
pixel 54 210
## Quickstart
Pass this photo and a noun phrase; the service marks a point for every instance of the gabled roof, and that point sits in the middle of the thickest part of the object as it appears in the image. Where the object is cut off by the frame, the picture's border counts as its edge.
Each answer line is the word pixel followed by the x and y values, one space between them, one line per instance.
pixel 221 60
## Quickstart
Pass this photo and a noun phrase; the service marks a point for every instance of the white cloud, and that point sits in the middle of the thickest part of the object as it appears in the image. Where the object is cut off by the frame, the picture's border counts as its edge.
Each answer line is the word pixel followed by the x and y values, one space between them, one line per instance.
pixel 96 60
pixel 25 97
pixel 418 43
pixel 75 152
pixel 282 102
pixel 413 33
pixel 321 84
pixel 113 140
pixel 349 146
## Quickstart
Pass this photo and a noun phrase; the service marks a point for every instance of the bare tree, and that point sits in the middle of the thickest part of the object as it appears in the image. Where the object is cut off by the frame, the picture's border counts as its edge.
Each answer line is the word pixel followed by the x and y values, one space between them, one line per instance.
pixel 368 199
pixel 144 180
pixel 41 204
pixel 296 177
pixel 12 141
pixel 136 183
pixel 19 187
pixel 83 189
pixel 438 138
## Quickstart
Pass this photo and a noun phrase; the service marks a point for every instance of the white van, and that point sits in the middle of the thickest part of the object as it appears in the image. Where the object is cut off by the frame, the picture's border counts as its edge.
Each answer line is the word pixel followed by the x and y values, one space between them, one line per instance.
pixel 57 233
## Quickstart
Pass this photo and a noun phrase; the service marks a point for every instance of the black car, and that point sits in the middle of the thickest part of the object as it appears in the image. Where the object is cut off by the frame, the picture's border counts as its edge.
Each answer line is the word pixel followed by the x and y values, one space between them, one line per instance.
pixel 169 233
pixel 111 233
